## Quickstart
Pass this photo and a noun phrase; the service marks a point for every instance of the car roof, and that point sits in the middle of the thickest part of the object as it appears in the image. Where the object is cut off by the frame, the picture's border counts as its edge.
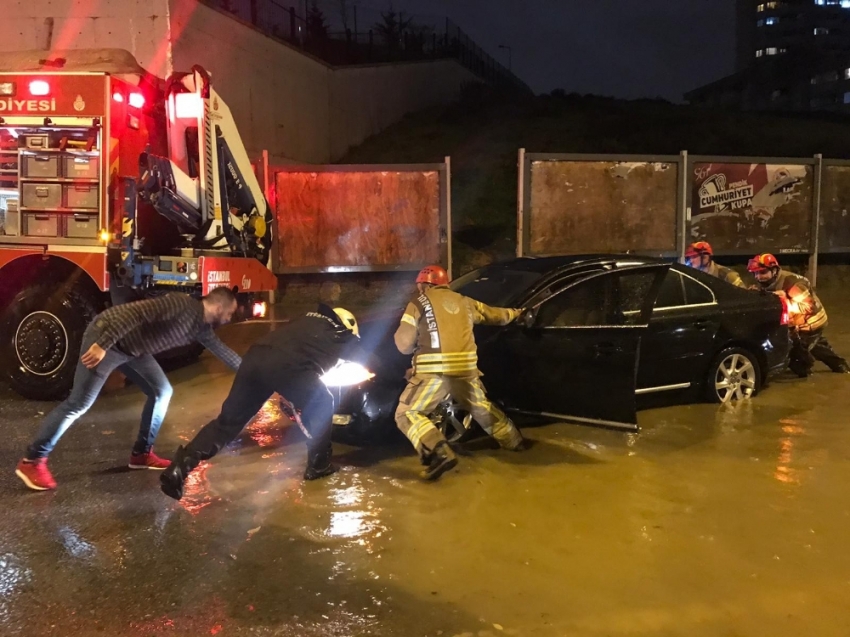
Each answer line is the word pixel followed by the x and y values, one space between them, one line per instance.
pixel 543 265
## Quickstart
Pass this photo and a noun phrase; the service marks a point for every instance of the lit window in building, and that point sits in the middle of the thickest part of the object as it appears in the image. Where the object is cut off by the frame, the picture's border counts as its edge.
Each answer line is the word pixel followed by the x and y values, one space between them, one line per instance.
pixel 820 2
pixel 760 8
pixel 771 5
pixel 759 53
pixel 771 50
pixel 821 31
pixel 847 97
pixel 845 4
pixel 847 74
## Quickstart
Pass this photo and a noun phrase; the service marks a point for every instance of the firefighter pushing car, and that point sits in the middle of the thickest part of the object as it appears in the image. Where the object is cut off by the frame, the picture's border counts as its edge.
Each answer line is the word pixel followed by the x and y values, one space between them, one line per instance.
pixel 806 315
pixel 437 325
pixel 700 256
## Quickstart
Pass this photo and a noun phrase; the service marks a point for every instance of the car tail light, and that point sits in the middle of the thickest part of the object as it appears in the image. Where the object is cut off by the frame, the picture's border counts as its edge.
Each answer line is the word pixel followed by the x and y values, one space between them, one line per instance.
pixel 39 87
pixel 136 100
pixel 784 317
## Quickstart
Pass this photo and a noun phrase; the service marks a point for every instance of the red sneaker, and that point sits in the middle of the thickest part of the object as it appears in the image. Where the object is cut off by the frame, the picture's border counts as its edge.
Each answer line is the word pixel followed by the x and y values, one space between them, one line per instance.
pixel 148 460
pixel 35 474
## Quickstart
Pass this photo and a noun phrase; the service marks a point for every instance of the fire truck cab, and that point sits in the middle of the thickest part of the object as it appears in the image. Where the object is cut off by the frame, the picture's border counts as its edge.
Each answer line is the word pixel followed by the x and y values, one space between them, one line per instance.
pixel 115 186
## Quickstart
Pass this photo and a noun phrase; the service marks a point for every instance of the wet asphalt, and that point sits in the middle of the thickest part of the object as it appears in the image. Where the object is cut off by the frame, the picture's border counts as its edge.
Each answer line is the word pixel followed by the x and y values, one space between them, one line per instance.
pixel 713 521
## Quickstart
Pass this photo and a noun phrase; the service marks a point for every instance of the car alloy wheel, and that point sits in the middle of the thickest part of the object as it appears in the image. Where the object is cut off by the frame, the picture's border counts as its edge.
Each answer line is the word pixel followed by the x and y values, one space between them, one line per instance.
pixel 735 378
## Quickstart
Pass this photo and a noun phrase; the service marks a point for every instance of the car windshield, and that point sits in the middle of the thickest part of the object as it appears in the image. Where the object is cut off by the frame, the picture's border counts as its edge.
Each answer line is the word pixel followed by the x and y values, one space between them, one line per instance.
pixel 494 285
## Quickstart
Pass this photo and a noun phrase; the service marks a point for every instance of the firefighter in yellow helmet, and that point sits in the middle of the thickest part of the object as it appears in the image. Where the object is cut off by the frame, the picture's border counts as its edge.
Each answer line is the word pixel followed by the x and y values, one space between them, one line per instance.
pixel 700 256
pixel 437 328
pixel 806 316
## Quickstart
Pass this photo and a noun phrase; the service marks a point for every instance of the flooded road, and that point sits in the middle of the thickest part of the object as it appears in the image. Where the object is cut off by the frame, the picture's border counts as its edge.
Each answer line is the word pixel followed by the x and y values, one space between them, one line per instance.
pixel 713 521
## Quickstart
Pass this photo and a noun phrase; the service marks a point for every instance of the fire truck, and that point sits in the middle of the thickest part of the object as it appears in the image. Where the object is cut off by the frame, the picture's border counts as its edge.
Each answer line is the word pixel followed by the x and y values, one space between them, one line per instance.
pixel 115 186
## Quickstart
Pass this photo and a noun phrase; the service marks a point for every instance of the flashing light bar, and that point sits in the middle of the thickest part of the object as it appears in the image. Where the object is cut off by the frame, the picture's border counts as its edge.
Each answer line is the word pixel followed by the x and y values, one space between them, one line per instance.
pixel 188 106
pixel 39 87
pixel 118 97
pixel 137 100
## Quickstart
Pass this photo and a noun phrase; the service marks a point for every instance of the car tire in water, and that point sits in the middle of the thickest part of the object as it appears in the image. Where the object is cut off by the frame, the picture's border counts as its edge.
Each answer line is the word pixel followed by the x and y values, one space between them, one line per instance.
pixel 462 429
pixel 734 374
pixel 40 337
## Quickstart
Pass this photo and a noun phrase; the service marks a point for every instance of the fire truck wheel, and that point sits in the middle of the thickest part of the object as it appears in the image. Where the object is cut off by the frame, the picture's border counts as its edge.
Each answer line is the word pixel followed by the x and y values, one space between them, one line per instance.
pixel 41 335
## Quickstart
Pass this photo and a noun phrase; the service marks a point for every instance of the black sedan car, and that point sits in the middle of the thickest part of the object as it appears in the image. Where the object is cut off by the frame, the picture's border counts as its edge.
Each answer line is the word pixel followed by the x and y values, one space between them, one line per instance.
pixel 596 335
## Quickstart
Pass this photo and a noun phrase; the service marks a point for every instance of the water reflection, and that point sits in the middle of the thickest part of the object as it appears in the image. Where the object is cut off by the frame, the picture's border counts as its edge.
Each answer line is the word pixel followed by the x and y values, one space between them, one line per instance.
pixel 12 577
pixel 785 472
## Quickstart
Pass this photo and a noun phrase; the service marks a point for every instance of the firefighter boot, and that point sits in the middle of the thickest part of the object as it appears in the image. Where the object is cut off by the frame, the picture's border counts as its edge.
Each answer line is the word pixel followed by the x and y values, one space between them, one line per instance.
pixel 173 478
pixel 442 459
pixel 319 463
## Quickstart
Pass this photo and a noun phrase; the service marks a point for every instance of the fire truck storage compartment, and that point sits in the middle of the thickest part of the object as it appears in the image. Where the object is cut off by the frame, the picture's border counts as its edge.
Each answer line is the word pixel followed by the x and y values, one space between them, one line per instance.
pixel 81 196
pixel 79 226
pixel 37 141
pixel 41 196
pixel 42 166
pixel 80 167
pixel 37 224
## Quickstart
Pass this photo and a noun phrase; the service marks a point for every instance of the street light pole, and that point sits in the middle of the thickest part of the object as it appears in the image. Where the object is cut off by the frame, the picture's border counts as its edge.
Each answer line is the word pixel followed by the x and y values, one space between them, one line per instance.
pixel 510 56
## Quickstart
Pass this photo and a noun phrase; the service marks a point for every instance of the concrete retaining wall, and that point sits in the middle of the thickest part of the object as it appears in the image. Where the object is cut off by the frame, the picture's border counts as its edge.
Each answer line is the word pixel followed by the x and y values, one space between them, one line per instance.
pixel 297 107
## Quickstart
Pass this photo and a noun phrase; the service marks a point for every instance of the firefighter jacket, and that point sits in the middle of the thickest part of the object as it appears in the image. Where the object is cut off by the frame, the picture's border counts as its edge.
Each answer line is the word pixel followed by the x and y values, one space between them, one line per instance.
pixel 437 327
pixel 726 274
pixel 805 311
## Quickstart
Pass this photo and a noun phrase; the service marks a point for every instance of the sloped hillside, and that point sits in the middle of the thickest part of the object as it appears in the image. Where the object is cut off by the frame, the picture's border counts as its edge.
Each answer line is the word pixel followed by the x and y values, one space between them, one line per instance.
pixel 484 130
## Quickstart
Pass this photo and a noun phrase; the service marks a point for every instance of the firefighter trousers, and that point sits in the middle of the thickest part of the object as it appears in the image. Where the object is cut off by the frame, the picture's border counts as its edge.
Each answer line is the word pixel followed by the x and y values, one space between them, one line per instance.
pixel 262 373
pixel 808 347
pixel 425 392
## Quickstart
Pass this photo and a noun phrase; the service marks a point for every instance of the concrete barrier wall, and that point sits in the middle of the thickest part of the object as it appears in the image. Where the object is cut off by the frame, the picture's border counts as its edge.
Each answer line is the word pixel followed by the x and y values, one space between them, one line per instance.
pixel 298 108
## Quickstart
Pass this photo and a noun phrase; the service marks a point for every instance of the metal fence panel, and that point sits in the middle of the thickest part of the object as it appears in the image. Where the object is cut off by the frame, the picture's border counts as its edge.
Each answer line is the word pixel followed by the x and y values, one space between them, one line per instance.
pixel 361 218
pixel 745 207
pixel 835 208
pixel 578 204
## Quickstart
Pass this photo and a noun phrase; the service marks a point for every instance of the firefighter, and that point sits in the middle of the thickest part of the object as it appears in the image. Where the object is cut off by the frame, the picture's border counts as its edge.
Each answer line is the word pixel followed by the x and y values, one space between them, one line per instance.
pixel 437 327
pixel 806 314
pixel 290 361
pixel 700 256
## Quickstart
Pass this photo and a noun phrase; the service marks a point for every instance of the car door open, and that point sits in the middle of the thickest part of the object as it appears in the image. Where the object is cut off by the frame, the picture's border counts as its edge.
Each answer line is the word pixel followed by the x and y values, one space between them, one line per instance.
pixel 574 355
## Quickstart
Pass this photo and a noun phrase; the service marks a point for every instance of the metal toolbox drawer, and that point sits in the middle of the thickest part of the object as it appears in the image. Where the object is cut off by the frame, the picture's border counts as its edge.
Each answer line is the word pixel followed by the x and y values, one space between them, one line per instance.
pixel 81 196
pixel 46 166
pixel 37 141
pixel 37 224
pixel 81 226
pixel 80 167
pixel 42 196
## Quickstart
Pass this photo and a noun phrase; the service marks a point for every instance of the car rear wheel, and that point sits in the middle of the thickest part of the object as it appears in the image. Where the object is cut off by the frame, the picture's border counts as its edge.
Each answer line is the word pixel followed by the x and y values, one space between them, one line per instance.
pixel 734 375
pixel 455 424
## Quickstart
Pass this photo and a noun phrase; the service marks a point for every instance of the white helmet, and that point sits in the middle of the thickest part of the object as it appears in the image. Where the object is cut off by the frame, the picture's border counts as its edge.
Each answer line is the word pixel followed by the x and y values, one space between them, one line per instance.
pixel 347 319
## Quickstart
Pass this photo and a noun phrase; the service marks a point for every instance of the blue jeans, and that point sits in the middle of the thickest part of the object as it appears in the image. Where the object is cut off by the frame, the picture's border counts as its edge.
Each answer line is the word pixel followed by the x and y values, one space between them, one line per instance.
pixel 144 371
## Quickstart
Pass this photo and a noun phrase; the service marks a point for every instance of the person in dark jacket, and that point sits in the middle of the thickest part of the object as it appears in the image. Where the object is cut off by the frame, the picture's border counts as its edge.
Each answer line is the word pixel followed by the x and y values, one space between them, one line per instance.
pixel 126 337
pixel 290 361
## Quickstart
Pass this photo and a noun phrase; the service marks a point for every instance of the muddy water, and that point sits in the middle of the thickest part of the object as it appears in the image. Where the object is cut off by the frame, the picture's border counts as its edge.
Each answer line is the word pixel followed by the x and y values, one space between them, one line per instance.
pixel 712 521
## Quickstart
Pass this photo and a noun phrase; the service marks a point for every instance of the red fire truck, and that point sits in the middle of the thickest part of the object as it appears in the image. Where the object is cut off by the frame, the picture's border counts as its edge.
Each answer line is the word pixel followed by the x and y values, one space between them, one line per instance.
pixel 115 185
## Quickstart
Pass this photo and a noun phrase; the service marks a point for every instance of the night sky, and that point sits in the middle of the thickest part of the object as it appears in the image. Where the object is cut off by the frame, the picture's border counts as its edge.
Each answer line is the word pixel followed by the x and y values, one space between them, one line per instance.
pixel 624 48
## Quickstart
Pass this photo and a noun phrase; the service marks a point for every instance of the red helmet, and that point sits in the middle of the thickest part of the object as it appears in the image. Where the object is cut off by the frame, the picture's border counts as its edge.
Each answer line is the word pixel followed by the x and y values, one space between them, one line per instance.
pixel 764 261
pixel 433 274
pixel 698 249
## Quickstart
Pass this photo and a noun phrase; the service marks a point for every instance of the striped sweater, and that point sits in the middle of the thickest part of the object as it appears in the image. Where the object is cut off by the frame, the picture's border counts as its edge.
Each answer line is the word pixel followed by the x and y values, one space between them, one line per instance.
pixel 156 325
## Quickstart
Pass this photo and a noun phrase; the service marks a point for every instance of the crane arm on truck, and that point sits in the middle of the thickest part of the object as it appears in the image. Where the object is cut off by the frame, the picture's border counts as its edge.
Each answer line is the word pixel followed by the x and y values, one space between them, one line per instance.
pixel 208 190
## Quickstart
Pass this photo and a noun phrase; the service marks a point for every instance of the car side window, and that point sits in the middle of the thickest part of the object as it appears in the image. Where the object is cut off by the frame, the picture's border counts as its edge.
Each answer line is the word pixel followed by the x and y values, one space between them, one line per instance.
pixel 672 292
pixel 696 293
pixel 614 299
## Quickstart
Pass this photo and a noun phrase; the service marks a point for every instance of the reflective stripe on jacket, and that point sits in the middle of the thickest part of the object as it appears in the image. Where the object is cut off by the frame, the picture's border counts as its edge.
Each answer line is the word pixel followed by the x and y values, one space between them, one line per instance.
pixel 437 326
pixel 805 310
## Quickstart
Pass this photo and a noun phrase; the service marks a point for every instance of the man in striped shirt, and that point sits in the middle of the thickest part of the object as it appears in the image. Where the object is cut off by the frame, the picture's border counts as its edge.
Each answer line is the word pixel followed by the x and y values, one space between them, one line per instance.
pixel 126 337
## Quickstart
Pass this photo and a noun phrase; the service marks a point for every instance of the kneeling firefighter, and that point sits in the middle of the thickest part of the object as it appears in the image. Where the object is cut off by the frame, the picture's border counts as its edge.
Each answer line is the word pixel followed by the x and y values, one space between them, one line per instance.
pixel 437 325
pixel 806 316
pixel 290 361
